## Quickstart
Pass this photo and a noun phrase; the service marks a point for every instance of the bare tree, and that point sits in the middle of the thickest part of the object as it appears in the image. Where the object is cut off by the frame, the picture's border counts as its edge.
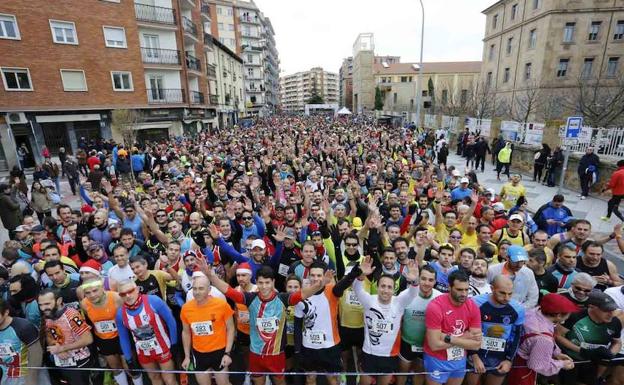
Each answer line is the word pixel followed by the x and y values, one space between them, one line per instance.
pixel 525 103
pixel 551 105
pixel 125 121
pixel 599 101
pixel 449 102
pixel 482 101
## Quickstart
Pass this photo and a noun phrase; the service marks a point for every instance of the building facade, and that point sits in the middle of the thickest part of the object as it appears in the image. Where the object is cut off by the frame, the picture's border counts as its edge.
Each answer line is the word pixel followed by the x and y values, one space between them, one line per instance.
pixel 68 69
pixel 345 83
pixel 245 30
pixel 552 47
pixel 297 89
pixel 228 86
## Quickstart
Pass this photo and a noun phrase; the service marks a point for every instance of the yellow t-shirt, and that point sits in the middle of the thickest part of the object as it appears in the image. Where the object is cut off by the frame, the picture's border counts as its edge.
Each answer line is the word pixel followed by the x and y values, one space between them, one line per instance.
pixel 511 194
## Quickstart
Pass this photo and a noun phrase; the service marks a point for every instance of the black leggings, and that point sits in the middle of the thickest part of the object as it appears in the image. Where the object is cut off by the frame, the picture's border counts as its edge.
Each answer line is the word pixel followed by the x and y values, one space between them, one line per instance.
pixel 499 168
pixel 538 168
pixel 613 207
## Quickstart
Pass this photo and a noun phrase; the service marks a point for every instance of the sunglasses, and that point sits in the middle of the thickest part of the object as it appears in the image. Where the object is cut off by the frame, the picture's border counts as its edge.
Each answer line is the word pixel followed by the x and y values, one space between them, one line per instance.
pixel 123 294
pixel 247 218
pixel 455 237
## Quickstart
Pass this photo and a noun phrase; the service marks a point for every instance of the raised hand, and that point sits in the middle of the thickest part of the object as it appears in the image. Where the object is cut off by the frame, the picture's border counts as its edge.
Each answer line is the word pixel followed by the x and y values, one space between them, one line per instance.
pixel 214 231
pixel 280 234
pixel 412 271
pixel 367 266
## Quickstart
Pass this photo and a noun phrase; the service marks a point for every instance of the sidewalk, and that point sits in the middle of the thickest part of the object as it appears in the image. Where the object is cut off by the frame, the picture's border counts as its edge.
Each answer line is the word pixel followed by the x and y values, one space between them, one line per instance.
pixel 538 194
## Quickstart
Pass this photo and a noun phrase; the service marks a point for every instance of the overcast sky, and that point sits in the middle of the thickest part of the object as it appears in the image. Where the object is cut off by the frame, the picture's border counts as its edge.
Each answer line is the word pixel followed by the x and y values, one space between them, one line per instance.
pixel 322 32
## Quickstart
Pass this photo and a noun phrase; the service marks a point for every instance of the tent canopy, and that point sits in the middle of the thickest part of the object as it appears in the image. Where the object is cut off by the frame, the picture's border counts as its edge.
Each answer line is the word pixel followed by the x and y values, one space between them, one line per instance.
pixel 343 111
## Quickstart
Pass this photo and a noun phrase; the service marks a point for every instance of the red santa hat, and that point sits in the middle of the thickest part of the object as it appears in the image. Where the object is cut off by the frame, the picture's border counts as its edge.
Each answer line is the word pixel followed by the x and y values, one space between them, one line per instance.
pixel 243 268
pixel 92 266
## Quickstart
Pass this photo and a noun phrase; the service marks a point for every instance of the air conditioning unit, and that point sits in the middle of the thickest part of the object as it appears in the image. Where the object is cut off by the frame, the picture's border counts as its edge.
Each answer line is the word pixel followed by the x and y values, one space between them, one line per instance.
pixel 16 118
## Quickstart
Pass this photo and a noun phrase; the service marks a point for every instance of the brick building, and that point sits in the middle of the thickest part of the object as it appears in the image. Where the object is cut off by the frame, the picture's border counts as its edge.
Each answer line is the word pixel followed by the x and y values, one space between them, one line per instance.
pixel 64 69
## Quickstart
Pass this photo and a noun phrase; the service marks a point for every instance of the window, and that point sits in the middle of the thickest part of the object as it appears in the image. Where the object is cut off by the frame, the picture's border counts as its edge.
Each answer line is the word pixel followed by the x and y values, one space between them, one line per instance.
pixel 562 70
pixel 16 79
pixel 491 53
pixel 588 65
pixel 514 10
pixel 568 32
pixel 488 79
pixel 463 98
pixel 219 11
pixel 63 32
pixel 230 27
pixel 115 37
pixel 494 21
pixel 612 66
pixel 619 30
pixel 403 79
pixel 506 75
pixel 8 27
pixel 532 38
pixel 74 80
pixel 445 96
pixel 536 4
pixel 249 58
pixel 527 71
pixel 220 25
pixel 394 98
pixel 594 30
pixel 229 12
pixel 509 45
pixel 122 81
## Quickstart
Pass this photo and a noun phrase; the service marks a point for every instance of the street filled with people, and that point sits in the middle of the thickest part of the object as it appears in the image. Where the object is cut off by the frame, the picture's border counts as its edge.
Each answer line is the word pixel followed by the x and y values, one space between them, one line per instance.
pixel 303 249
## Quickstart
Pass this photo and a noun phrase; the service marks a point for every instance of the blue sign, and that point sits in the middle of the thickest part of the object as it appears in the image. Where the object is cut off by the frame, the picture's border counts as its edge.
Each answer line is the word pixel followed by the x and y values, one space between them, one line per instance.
pixel 573 126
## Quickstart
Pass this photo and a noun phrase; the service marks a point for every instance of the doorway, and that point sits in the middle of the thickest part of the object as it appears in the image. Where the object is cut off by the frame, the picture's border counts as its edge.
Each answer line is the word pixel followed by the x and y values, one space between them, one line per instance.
pixel 29 159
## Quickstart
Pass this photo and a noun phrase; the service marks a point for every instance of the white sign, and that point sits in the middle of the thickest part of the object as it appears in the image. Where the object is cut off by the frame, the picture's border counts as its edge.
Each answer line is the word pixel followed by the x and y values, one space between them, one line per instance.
pixel 534 133
pixel 481 125
pixel 430 121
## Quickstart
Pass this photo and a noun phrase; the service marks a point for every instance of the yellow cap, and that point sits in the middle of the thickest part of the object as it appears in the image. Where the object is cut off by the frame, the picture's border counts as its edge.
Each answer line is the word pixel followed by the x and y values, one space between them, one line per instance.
pixel 357 223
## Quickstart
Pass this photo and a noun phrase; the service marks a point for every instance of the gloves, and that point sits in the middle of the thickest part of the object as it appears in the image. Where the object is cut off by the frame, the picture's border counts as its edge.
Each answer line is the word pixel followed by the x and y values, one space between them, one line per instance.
pixel 597 354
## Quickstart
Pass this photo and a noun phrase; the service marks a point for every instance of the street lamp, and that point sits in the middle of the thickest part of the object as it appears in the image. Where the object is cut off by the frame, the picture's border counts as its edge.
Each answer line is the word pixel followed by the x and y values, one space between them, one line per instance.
pixel 420 67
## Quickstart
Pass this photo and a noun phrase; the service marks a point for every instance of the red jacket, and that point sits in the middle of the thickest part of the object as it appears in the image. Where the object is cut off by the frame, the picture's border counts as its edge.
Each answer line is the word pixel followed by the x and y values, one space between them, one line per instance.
pixel 616 183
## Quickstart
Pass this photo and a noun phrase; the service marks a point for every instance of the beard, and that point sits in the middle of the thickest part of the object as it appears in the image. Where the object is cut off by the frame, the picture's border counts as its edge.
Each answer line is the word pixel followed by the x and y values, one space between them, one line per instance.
pixel 49 314
pixel 478 275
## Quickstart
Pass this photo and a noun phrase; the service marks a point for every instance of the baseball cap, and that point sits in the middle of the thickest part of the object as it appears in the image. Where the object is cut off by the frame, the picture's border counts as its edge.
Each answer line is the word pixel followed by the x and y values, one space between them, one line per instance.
pixel 95 246
pixel 498 206
pixel 258 243
pixel 464 180
pixel 456 173
pixel 357 223
pixel 553 303
pixel 37 229
pixel 603 301
pixel 21 228
pixel 516 217
pixel 114 225
pixel 517 254
pixel 490 191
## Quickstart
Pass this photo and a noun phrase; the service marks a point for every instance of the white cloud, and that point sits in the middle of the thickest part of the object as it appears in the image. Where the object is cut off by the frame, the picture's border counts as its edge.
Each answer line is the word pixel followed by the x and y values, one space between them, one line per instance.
pixel 322 32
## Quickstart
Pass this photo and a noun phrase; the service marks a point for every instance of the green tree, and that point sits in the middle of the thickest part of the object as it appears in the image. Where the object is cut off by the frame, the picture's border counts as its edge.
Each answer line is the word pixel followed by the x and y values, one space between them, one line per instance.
pixel 431 94
pixel 315 99
pixel 378 100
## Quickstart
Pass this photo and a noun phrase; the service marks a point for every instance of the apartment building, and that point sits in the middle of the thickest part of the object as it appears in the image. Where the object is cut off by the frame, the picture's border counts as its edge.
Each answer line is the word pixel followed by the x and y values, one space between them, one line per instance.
pixel 245 30
pixel 551 46
pixel 297 89
pixel 67 69
pixel 229 85
pixel 345 83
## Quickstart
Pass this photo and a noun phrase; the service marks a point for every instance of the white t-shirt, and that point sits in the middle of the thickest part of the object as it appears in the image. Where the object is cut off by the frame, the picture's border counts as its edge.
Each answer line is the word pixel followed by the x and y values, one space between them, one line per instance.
pixel 382 322
pixel 120 274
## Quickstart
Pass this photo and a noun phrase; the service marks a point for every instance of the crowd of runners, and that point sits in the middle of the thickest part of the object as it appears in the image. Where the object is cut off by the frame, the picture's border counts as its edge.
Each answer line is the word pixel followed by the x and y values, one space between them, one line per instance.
pixel 308 246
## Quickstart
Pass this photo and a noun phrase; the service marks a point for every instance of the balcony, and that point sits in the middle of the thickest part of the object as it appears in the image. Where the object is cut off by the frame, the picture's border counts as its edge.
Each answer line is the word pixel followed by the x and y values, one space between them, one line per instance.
pixel 152 14
pixel 165 96
pixel 249 19
pixel 196 97
pixel 214 99
pixel 193 63
pixel 252 63
pixel 189 26
pixel 160 56
pixel 205 10
pixel 211 71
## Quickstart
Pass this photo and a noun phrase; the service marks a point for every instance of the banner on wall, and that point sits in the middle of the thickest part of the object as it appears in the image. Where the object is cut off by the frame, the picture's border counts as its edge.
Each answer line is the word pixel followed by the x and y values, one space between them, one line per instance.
pixel 509 130
pixel 481 125
pixel 534 133
pixel 430 121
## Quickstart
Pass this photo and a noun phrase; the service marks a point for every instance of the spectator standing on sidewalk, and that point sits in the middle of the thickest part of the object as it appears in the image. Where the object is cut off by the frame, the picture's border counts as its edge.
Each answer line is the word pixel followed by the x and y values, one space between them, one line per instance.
pixel 73 175
pixel 504 160
pixel 540 158
pixel 481 150
pixel 616 185
pixel 62 155
pixel 588 166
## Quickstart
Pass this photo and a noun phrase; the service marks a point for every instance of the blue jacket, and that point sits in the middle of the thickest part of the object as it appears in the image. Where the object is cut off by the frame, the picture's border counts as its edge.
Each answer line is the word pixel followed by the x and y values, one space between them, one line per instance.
pixel 138 161
pixel 547 212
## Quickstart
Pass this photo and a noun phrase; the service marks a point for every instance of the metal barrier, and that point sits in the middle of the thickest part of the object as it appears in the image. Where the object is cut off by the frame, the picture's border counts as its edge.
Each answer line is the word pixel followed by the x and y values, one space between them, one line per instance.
pixel 606 141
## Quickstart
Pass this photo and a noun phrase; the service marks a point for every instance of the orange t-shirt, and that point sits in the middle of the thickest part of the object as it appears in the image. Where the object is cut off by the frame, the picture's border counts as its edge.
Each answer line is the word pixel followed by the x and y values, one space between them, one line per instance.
pixel 207 323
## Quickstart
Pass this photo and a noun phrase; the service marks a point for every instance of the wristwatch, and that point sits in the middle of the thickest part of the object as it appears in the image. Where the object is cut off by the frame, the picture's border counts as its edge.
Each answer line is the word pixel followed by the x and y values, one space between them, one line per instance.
pixel 447 339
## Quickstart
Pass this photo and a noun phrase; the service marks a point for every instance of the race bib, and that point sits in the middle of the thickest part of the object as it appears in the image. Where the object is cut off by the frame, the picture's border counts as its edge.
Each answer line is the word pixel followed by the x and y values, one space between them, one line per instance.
pixel 493 344
pixel 105 326
pixel 290 327
pixel 64 362
pixel 202 328
pixel 455 353
pixel 6 350
pixel 283 270
pixel 417 349
pixel 267 325
pixel 352 299
pixel 315 337
pixel 382 326
pixel 148 344
pixel 243 316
